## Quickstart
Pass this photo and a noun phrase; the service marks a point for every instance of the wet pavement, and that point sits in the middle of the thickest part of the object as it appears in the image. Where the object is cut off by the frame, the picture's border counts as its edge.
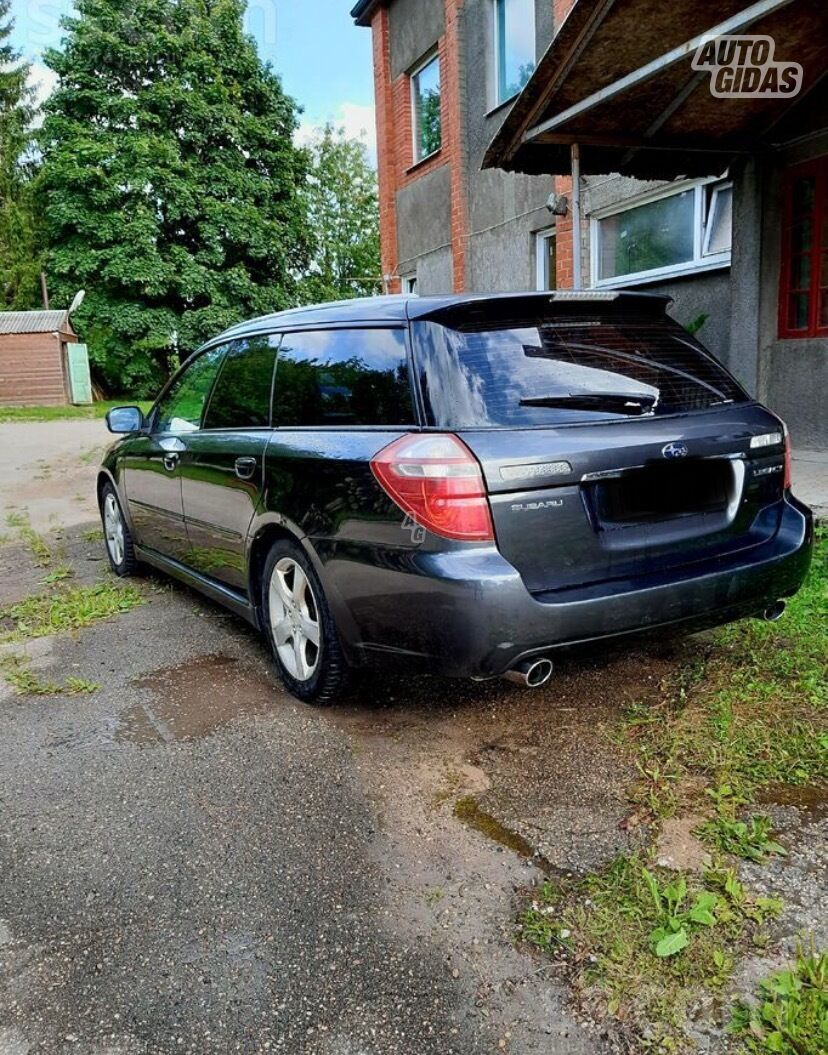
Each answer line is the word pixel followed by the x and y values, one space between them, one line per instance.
pixel 193 861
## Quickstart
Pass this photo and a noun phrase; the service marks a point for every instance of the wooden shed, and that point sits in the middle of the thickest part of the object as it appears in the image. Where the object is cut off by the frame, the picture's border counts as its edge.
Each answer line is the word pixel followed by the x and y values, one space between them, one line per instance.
pixel 33 357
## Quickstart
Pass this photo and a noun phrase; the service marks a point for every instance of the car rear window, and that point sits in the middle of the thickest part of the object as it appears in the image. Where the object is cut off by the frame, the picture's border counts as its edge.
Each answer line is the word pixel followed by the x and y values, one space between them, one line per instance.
pixel 502 373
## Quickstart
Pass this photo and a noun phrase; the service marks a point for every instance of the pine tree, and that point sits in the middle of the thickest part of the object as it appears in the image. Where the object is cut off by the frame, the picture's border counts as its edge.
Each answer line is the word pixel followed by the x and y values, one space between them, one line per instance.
pixel 343 208
pixel 171 181
pixel 19 263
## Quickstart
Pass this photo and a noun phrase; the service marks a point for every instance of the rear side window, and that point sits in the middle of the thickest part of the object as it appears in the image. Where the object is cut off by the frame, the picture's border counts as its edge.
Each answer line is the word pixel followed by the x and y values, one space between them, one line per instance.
pixel 343 377
pixel 515 372
pixel 241 398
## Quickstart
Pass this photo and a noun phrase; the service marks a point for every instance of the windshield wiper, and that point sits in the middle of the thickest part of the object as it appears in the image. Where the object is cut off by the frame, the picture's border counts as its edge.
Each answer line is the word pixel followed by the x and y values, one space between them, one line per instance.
pixel 617 402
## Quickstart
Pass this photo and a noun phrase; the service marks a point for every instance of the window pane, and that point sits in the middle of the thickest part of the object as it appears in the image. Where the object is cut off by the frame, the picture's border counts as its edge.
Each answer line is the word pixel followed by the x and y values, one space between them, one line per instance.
pixel 801 236
pixel 798 311
pixel 823 308
pixel 427 127
pixel 515 36
pixel 181 409
pixel 720 220
pixel 343 377
pixel 649 236
pixel 241 398
pixel 801 272
pixel 803 196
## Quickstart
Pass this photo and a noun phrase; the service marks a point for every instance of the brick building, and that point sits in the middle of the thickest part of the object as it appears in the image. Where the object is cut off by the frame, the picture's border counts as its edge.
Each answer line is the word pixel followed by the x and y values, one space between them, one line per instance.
pixel 464 89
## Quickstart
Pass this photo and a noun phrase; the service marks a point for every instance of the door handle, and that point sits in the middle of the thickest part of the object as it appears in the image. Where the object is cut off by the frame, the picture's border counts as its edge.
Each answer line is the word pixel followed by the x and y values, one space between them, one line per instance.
pixel 245 468
pixel 171 461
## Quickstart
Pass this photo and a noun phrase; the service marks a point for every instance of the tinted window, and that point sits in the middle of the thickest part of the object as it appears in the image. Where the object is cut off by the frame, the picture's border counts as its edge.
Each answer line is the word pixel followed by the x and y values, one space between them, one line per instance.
pixel 241 398
pixel 181 409
pixel 343 377
pixel 502 373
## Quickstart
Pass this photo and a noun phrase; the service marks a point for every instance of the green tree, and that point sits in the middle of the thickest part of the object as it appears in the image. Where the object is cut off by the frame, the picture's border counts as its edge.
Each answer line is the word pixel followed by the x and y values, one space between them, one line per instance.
pixel 343 210
pixel 19 262
pixel 170 179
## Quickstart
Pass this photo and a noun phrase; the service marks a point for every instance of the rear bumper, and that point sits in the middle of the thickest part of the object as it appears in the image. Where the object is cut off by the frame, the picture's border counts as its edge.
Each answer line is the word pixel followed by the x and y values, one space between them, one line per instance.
pixel 467 612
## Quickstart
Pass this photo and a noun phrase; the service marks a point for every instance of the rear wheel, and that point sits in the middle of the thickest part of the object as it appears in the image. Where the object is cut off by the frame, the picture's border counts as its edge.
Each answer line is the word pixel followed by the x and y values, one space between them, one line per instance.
pixel 300 627
pixel 117 536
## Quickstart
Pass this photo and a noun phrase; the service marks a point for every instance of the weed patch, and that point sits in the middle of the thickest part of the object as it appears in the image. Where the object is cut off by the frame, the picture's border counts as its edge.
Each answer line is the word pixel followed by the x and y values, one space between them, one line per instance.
pixel 642 943
pixel 26 683
pixel 791 1014
pixel 66 608
pixel 36 544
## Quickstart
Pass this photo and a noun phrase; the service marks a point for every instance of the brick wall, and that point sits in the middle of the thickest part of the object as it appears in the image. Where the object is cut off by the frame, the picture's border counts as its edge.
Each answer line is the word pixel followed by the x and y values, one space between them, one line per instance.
pixel 395 161
pixel 31 370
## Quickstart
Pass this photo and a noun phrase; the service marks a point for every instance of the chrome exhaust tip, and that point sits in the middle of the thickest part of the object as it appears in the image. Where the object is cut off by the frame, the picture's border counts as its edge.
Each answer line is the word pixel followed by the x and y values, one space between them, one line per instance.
pixel 531 673
pixel 774 611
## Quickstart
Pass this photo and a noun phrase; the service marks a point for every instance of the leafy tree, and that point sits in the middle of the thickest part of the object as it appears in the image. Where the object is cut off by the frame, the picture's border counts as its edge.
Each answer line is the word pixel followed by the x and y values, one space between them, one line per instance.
pixel 19 263
pixel 343 211
pixel 171 178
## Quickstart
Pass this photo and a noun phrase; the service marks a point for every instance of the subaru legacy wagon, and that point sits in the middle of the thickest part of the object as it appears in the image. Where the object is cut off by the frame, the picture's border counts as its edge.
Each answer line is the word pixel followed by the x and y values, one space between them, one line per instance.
pixel 461 483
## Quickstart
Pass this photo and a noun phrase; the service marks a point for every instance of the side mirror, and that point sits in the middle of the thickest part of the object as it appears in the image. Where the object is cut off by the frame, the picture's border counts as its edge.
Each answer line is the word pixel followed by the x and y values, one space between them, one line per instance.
pixel 124 419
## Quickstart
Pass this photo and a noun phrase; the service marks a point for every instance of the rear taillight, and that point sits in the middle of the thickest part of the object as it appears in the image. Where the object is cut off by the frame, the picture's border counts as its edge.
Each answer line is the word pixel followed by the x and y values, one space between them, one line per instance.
pixel 436 479
pixel 788 461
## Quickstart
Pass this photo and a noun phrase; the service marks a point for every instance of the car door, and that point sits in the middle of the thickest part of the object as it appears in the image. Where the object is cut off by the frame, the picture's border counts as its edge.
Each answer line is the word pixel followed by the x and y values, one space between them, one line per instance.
pixel 222 471
pixel 153 462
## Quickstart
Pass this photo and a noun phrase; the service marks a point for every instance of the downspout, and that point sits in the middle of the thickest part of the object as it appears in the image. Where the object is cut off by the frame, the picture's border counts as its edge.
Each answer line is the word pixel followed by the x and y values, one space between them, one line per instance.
pixel 575 158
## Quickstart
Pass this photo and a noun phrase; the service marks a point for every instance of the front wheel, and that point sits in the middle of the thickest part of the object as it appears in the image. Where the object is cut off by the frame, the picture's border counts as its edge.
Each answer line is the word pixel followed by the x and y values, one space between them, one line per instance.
pixel 118 538
pixel 300 627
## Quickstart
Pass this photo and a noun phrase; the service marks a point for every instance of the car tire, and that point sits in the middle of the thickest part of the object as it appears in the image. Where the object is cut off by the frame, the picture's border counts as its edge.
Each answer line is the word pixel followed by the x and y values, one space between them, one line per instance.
pixel 117 537
pixel 300 628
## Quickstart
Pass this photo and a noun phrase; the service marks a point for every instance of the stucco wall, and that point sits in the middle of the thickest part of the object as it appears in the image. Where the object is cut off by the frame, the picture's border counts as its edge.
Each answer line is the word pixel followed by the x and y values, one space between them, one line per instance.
pixel 424 218
pixel 415 26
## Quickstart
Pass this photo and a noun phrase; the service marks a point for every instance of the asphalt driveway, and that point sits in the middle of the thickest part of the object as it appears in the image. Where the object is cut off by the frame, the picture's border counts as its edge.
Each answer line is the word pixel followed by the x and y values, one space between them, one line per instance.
pixel 190 860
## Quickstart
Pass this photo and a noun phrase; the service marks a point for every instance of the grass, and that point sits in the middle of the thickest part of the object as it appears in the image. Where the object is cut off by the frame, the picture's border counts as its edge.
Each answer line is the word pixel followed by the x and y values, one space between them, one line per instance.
pixel 97 410
pixel 37 545
pixel 66 608
pixel 26 683
pixel 790 1016
pixel 641 943
pixel 747 710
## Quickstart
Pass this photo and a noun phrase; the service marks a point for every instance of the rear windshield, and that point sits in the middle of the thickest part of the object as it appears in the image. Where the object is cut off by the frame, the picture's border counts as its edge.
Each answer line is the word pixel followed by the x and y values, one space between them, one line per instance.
pixel 555 371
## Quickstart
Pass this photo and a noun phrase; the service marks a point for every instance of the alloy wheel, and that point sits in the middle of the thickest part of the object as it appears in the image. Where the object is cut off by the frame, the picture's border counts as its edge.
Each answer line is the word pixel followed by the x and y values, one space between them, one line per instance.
pixel 114 529
pixel 294 619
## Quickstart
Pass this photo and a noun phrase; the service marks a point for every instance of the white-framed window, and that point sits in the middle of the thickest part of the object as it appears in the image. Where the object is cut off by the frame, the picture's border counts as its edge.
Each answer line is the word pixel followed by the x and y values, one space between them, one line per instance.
pixel 409 284
pixel 545 261
pixel 514 46
pixel 426 120
pixel 678 229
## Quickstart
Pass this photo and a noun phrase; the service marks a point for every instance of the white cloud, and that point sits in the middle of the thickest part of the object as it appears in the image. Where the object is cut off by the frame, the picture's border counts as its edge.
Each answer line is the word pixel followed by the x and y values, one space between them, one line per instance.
pixel 358 121
pixel 44 82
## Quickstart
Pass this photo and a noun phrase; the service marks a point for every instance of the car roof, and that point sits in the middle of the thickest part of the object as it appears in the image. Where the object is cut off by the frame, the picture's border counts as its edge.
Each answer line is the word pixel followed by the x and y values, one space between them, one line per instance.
pixel 401 308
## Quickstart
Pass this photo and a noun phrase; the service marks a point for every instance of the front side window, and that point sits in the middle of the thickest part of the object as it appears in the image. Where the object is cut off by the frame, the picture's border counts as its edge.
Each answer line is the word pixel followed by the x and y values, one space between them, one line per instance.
pixel 425 104
pixel 241 398
pixel 181 408
pixel 514 24
pixel 343 377
pixel 683 229
pixel 803 298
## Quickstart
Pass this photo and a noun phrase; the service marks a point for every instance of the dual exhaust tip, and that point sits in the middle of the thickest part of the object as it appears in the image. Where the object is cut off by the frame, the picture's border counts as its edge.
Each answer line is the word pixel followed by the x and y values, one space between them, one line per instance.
pixel 534 673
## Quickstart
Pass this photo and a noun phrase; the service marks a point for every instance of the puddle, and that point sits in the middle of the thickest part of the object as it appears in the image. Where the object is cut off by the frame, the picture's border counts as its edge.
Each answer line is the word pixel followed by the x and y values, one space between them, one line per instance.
pixel 194 699
pixel 469 812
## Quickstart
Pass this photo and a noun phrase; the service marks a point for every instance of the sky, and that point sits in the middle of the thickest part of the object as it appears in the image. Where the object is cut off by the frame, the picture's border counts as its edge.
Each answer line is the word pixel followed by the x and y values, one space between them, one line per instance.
pixel 323 58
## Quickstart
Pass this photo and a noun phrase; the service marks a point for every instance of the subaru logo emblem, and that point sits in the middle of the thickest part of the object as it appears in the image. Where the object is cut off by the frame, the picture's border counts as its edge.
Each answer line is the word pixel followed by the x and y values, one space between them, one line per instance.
pixel 675 450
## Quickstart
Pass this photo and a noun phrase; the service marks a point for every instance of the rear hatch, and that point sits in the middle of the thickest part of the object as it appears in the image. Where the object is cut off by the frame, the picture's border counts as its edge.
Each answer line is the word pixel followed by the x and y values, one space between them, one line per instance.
pixel 612 443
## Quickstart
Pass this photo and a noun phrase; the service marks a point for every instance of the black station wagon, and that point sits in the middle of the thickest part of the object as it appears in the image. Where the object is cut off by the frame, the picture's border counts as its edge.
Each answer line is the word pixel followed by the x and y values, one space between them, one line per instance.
pixel 464 484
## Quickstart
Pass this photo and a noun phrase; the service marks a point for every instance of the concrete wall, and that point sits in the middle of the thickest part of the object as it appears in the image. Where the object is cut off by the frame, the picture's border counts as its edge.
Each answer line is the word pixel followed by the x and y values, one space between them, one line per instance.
pixel 504 209
pixel 416 26
pixel 792 373
pixel 424 226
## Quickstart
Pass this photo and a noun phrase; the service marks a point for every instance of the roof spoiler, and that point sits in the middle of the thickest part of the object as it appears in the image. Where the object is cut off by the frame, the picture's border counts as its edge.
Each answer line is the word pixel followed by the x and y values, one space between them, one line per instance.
pixel 614 301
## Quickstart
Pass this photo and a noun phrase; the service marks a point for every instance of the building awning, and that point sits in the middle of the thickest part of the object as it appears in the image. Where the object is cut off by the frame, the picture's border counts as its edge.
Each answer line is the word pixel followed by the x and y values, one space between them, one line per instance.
pixel 618 81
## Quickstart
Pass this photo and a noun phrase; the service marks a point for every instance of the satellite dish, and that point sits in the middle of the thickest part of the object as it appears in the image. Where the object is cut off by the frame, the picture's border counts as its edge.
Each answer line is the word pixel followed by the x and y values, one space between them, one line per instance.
pixel 77 301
